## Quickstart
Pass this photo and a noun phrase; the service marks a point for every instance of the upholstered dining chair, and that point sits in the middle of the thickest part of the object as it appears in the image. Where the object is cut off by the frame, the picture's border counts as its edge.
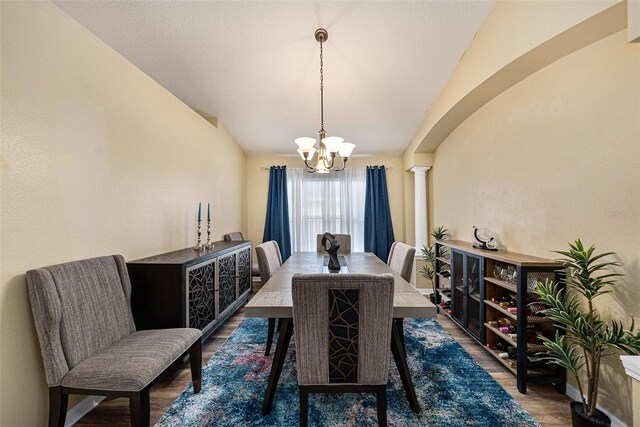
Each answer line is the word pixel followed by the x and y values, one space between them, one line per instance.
pixel 401 257
pixel 343 239
pixel 88 340
pixel 343 333
pixel 236 236
pixel 269 261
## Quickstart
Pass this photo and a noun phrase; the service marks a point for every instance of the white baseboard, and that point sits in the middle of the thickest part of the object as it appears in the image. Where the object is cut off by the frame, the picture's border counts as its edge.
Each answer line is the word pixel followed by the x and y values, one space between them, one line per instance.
pixel 574 394
pixel 81 409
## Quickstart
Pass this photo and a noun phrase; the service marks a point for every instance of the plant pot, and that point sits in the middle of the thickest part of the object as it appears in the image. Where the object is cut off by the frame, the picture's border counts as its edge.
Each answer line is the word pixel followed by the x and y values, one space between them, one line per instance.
pixel 580 419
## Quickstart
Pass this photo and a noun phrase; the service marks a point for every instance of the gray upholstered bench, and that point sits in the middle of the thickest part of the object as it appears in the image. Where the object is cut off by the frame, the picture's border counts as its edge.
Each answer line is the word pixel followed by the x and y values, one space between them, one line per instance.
pixel 89 343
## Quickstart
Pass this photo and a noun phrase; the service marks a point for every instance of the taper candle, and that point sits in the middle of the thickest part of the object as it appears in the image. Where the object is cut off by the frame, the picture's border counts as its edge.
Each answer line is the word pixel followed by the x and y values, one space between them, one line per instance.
pixel 199 211
pixel 208 211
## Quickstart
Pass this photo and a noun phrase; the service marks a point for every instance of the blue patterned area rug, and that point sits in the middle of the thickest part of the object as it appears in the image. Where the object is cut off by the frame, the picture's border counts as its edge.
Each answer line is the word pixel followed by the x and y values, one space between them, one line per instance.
pixel 453 390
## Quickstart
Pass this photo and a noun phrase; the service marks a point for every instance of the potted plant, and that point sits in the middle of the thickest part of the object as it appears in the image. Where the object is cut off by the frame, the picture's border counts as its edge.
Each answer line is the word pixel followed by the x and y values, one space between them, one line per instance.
pixel 429 251
pixel 588 338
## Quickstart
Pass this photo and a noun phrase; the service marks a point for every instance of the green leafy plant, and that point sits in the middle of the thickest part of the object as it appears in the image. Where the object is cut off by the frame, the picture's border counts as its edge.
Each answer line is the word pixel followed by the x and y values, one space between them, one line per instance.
pixel 429 251
pixel 588 337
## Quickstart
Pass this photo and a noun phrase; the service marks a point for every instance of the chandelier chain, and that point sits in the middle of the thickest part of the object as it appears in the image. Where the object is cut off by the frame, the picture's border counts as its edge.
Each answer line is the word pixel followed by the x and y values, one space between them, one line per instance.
pixel 321 89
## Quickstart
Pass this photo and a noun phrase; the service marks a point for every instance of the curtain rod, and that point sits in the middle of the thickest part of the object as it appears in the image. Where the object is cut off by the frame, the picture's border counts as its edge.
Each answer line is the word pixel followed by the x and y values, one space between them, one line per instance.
pixel 266 168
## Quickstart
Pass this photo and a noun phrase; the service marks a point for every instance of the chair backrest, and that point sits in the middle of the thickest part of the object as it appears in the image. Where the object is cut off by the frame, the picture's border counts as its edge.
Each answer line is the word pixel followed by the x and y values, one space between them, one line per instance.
pixel 269 259
pixel 235 236
pixel 393 245
pixel 401 259
pixel 342 326
pixel 79 308
pixel 343 239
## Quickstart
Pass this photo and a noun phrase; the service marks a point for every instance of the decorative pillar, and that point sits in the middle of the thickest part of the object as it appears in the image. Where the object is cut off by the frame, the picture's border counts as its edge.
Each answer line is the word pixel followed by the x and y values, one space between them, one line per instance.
pixel 420 191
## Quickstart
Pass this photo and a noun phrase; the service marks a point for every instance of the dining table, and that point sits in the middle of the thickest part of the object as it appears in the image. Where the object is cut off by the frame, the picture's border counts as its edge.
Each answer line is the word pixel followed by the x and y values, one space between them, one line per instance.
pixel 274 300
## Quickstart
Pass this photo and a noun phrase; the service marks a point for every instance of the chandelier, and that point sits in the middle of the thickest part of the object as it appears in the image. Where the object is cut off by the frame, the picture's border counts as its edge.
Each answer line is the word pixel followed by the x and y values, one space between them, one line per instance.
pixel 329 146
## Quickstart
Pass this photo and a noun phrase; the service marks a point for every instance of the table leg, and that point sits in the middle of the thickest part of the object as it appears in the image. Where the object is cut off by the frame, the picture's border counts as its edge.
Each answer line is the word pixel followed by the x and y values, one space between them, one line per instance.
pixel 400 357
pixel 400 323
pixel 270 331
pixel 284 337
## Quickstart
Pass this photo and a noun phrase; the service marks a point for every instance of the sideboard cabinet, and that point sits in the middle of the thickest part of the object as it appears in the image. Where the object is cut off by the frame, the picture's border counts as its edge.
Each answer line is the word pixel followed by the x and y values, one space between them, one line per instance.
pixel 500 311
pixel 188 288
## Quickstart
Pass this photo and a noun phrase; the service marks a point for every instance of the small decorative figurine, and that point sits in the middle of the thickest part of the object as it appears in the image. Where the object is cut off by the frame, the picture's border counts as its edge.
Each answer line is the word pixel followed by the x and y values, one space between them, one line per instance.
pixel 332 250
pixel 483 238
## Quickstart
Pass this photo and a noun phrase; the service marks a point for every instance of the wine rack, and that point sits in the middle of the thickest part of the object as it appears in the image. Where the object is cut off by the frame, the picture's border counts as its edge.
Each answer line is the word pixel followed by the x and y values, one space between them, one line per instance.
pixel 499 310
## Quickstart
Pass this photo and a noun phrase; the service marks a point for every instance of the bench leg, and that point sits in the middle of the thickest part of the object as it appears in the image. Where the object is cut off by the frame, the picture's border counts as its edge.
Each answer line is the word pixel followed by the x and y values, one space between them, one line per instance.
pixel 195 360
pixel 57 406
pixel 140 408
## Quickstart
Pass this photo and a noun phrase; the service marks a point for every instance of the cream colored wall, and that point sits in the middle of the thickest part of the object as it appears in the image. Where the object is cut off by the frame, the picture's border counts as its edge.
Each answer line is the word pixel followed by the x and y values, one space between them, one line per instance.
pixel 517 39
pixel 97 159
pixel 554 158
pixel 258 189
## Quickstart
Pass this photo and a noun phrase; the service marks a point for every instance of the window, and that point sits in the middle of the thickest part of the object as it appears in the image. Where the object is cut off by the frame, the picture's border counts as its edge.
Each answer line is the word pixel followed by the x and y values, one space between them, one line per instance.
pixel 332 202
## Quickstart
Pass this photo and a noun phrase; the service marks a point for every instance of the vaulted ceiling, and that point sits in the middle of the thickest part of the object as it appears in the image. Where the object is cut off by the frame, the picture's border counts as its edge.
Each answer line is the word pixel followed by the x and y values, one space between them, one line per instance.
pixel 255 65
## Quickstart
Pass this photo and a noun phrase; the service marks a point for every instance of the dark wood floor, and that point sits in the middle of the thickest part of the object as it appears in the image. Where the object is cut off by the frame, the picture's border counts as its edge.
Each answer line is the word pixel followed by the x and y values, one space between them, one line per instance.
pixel 542 402
pixel 548 407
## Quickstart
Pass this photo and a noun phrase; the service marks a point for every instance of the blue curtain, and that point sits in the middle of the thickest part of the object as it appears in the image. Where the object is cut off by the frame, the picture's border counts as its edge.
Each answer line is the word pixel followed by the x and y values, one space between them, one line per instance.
pixel 378 229
pixel 276 225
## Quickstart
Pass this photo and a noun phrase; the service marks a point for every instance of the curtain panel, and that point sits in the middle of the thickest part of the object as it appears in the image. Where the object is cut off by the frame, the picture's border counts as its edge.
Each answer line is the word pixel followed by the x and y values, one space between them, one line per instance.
pixel 276 225
pixel 378 229
pixel 332 202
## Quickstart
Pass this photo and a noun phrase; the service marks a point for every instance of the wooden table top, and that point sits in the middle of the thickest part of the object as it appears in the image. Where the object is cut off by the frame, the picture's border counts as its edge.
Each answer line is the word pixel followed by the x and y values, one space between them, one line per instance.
pixel 502 255
pixel 274 298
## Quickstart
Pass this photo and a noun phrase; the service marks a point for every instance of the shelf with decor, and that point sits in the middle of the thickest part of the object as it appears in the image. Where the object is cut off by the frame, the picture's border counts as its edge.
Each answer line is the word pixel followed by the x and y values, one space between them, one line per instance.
pixel 502 283
pixel 493 299
pixel 442 287
pixel 444 260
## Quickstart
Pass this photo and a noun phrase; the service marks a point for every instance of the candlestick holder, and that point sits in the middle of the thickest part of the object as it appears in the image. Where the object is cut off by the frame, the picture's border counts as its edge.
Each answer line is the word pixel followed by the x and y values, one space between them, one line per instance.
pixel 199 246
pixel 209 244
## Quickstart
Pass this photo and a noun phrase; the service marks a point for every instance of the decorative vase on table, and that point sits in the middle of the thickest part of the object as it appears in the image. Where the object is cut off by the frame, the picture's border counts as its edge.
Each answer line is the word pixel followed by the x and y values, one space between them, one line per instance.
pixel 332 250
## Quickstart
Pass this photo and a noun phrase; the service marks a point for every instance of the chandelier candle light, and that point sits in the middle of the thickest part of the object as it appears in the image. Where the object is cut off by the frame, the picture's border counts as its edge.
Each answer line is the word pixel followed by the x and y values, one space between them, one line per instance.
pixel 328 146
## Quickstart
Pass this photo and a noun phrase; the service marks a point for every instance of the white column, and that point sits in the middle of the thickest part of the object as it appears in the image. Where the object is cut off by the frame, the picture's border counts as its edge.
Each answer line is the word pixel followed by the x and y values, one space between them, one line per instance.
pixel 420 191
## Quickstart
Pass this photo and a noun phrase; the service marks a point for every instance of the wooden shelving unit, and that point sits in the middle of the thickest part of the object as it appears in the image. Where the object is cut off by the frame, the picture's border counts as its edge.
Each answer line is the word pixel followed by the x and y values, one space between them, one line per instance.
pixel 501 309
pixel 505 362
pixel 502 335
pixel 442 291
pixel 502 283
pixel 475 298
pixel 445 260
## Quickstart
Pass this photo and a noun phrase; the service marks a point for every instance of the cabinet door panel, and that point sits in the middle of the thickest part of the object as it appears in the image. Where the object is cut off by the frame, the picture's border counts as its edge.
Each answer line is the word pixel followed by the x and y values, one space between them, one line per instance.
pixel 226 281
pixel 457 286
pixel 201 305
pixel 244 270
pixel 473 277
